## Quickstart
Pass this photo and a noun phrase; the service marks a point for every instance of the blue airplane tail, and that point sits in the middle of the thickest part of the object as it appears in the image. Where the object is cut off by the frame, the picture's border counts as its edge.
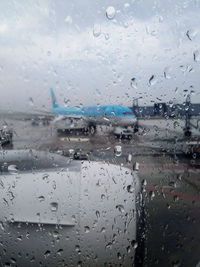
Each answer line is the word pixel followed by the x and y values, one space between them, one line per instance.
pixel 53 99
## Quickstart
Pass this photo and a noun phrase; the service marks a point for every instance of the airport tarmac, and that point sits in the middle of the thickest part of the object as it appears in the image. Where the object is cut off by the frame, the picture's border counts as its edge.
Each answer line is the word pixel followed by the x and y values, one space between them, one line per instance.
pixel 172 191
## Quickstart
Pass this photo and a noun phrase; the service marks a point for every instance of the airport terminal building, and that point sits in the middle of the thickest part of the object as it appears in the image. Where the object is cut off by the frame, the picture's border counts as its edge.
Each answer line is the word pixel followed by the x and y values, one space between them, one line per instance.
pixel 167 110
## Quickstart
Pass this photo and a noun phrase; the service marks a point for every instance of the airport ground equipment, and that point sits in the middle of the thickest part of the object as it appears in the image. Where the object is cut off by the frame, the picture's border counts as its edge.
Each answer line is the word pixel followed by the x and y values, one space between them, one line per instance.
pixel 120 132
pixel 189 126
pixel 56 211
pixel 71 125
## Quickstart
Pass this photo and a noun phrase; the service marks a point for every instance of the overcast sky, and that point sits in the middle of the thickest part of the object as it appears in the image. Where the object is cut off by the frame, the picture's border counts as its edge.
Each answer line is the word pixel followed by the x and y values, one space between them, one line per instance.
pixel 89 51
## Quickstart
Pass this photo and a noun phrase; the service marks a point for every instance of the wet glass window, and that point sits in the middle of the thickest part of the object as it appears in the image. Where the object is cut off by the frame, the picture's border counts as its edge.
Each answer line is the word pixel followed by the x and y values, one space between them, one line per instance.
pixel 99 133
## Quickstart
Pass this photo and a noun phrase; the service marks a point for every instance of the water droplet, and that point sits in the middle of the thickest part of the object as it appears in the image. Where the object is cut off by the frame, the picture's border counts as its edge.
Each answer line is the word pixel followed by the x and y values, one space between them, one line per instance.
pixel 144 182
pixel 31 102
pixel 103 196
pixel 97 30
pixel 120 208
pixel 13 260
pixel 2 226
pixel 41 198
pixel 130 188
pixel 151 195
pixel 191 34
pixel 107 36
pixel 87 229
pixel 54 206
pixel 160 19
pixel 109 245
pixel 118 151
pixel 176 124
pixel 176 198
pixel 119 256
pixel 196 56
pixel 77 249
pixel 59 252
pixel 12 169
pixel 19 238
pixel 134 244
pixel 55 234
pixel 152 80
pixel 110 12
pixel 103 230
pixel 47 253
pixel 128 249
pixel 129 158
pixel 66 102
pixel 134 83
pixel 167 73
pixel 11 195
pixel 98 214
pixel 126 5
pixel 79 264
pixel 54 185
pixel 179 176
pixel 68 19
pixel 45 176
pixel 172 184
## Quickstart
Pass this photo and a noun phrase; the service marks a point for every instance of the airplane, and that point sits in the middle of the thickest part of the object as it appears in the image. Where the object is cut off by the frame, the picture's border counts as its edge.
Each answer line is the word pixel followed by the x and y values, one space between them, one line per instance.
pixel 89 117
pixel 73 223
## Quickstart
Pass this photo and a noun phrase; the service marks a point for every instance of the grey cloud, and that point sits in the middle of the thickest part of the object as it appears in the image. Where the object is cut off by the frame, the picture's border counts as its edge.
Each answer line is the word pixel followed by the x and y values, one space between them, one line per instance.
pixel 50 44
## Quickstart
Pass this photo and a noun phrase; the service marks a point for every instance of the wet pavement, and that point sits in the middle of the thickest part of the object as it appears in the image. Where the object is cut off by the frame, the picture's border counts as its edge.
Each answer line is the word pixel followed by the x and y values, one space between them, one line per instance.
pixel 172 191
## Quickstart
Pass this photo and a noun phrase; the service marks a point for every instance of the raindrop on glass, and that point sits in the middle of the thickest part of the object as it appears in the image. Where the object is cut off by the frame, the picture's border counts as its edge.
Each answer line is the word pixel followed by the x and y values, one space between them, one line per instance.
pixel 134 244
pixel 118 151
pixel 47 253
pixel 97 30
pixel 167 73
pixel 110 12
pixel 54 206
pixel 176 198
pixel 12 169
pixel 191 34
pixel 129 158
pixel 128 249
pixel 68 19
pixel 45 176
pixel 152 80
pixel 126 5
pixel 130 188
pixel 134 83
pixel 31 102
pixel 103 230
pixel 120 208
pixel 41 198
pixel 151 195
pixel 87 229
pixel 119 256
pixel 59 252
pixel 196 56
pixel 176 124
pixel 98 214
pixel 103 196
